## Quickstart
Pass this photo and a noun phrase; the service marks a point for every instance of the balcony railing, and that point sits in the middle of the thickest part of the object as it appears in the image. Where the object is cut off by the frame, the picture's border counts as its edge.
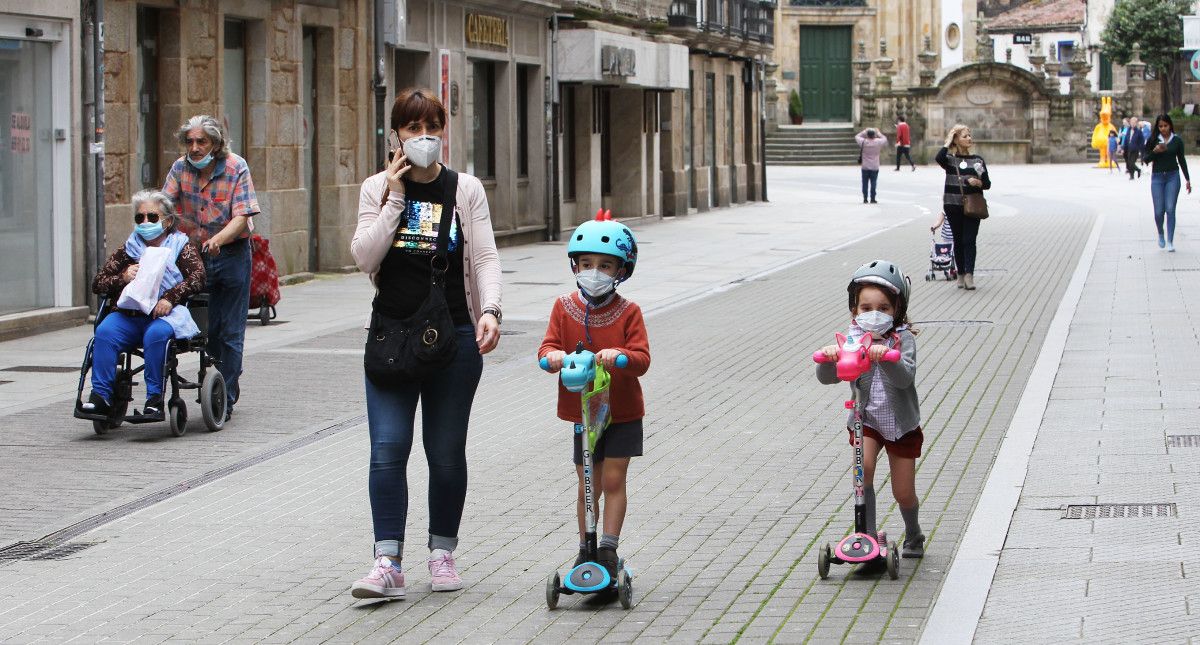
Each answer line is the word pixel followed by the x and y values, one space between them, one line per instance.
pixel 828 3
pixel 740 19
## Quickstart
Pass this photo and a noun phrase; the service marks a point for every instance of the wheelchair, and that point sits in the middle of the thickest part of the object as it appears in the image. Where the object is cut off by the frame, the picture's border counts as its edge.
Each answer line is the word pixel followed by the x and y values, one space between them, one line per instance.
pixel 212 397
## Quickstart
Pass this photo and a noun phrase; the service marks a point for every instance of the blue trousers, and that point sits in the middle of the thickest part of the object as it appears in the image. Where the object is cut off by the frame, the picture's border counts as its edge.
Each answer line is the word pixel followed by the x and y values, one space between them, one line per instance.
pixel 1164 189
pixel 229 296
pixel 445 410
pixel 120 333
pixel 871 178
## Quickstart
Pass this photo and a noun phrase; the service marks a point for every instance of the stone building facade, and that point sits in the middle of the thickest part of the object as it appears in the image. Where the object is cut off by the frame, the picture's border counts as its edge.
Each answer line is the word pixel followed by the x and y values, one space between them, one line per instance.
pixel 285 77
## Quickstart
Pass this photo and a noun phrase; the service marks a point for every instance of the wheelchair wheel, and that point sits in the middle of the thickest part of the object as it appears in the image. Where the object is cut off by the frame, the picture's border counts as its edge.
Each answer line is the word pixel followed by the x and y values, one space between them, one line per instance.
pixel 115 419
pixel 213 400
pixel 177 416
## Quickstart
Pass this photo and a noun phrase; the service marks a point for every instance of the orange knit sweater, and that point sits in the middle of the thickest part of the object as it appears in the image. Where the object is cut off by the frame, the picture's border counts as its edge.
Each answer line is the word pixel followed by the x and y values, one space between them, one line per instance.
pixel 617 325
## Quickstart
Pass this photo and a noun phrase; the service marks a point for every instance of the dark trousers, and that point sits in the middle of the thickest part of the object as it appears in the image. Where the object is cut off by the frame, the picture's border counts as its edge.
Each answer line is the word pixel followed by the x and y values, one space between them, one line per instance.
pixel 445 401
pixel 903 150
pixel 1131 158
pixel 869 177
pixel 229 296
pixel 965 230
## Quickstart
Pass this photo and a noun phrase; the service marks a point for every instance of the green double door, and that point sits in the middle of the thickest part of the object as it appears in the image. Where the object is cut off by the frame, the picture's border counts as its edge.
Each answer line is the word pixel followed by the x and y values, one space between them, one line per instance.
pixel 825 74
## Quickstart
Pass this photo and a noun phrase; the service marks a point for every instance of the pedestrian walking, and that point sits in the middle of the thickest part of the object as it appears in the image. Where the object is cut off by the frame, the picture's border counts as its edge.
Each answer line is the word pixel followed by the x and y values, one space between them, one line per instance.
pixel 879 295
pixel 870 144
pixel 603 254
pixel 1165 152
pixel 128 328
pixel 966 173
pixel 1135 146
pixel 903 143
pixel 215 195
pixel 425 238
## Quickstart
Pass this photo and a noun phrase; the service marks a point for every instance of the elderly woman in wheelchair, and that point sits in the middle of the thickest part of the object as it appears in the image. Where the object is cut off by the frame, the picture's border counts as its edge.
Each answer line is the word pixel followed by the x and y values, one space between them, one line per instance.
pixel 128 320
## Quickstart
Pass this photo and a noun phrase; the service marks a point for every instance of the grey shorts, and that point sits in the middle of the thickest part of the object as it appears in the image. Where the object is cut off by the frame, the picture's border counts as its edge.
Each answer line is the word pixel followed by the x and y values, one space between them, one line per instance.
pixel 619 440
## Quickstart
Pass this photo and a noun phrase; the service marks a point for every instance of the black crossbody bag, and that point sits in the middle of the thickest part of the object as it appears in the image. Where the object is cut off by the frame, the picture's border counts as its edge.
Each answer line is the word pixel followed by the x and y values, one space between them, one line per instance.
pixel 404 350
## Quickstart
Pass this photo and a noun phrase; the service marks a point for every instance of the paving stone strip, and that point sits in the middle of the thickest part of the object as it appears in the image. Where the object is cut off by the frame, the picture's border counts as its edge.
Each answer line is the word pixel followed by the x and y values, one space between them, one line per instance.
pixel 746 470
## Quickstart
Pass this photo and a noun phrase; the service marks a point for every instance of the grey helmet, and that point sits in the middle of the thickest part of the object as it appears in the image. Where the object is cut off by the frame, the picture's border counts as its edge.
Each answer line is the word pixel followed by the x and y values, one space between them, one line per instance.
pixel 885 274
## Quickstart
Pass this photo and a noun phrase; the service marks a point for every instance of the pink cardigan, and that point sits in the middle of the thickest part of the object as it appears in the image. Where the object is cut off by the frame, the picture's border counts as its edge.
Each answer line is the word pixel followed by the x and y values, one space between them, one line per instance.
pixel 481 262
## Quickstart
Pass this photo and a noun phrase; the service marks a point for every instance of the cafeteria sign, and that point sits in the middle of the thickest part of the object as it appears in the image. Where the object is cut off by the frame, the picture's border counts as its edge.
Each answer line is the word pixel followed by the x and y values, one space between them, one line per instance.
pixel 487 30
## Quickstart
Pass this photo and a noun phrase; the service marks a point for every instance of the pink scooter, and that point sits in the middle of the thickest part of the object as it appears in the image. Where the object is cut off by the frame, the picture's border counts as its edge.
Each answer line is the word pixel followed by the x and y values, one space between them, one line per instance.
pixel 852 362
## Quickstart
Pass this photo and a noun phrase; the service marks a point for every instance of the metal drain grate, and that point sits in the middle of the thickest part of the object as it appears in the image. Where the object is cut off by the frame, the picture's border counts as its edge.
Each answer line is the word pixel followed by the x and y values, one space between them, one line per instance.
pixel 49 369
pixel 63 550
pixel 1183 441
pixel 5 382
pixel 1180 270
pixel 21 550
pixel 952 323
pixel 1117 511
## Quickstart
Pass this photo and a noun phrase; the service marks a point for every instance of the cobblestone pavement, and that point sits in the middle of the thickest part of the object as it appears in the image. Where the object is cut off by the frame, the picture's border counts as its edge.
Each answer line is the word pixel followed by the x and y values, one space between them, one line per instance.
pixel 745 473
pixel 1126 386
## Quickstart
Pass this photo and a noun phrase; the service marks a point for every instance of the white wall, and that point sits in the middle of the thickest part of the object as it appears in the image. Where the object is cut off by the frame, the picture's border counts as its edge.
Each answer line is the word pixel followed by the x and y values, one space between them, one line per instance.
pixel 952 12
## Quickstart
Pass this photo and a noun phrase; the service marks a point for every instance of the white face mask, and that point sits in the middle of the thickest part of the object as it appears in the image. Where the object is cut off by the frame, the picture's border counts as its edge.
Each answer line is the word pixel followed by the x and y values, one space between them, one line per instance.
pixel 595 282
pixel 876 323
pixel 424 150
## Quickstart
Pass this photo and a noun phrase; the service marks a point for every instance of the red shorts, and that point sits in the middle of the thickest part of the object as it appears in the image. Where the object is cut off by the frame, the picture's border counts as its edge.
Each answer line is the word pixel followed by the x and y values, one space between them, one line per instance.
pixel 908 446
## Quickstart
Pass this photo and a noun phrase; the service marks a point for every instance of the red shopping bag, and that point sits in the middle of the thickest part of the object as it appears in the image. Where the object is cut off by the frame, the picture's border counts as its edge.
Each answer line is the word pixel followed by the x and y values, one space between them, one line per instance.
pixel 264 275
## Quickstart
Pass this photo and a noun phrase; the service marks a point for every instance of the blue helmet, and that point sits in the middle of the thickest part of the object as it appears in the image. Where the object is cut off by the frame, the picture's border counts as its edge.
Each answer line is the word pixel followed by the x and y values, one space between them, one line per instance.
pixel 607 236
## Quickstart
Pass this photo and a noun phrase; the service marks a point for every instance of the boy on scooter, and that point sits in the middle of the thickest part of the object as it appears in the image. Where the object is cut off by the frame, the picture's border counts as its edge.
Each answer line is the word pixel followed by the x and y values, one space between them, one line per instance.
pixel 602 253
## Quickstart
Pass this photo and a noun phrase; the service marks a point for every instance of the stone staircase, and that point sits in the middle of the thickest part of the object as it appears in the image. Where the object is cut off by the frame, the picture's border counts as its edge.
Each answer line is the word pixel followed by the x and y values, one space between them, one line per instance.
pixel 812 145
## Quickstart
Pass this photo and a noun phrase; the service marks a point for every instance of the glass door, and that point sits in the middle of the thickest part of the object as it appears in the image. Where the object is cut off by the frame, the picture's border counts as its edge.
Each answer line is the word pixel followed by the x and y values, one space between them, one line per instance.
pixel 26 176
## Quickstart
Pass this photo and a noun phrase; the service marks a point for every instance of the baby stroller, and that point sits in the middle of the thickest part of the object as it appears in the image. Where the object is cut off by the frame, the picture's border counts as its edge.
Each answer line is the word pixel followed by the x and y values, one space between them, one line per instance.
pixel 941 259
pixel 264 281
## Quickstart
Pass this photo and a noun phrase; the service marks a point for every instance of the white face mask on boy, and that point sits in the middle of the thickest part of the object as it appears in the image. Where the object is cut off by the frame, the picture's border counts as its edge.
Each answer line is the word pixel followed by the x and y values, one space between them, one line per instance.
pixel 595 283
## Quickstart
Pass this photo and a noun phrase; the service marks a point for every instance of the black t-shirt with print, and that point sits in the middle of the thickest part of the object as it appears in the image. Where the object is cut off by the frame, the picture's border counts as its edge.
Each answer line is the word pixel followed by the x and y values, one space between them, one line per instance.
pixel 405 272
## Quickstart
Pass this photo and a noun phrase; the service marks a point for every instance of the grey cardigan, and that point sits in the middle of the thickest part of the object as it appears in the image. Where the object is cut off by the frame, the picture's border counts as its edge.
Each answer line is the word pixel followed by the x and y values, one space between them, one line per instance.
pixel 899 382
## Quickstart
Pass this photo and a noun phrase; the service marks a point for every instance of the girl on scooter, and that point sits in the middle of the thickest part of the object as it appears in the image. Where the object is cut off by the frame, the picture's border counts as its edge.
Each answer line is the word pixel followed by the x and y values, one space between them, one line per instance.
pixel 602 254
pixel 878 302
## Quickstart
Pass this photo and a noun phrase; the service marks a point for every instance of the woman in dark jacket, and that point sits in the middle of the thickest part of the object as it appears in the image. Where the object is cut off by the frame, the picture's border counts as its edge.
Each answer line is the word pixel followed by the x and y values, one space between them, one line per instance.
pixel 966 173
pixel 1165 151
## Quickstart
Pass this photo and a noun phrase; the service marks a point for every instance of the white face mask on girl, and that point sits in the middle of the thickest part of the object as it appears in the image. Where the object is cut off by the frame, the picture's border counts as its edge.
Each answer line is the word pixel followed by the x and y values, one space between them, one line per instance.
pixel 876 323
pixel 595 282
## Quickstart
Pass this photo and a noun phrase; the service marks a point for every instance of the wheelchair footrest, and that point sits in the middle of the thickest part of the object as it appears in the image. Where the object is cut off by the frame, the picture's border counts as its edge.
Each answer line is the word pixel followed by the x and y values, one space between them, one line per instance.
pixel 145 418
pixel 91 416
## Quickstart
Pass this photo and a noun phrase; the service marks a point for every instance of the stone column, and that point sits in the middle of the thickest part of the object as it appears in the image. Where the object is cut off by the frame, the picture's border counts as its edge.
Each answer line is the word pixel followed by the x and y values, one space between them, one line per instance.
pixel 1037 58
pixel 862 85
pixel 1052 66
pixel 772 97
pixel 1080 85
pixel 928 60
pixel 1137 81
pixel 883 81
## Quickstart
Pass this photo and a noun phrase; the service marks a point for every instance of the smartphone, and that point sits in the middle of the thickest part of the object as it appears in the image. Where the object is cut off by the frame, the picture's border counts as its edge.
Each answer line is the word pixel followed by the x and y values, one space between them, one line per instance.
pixel 395 146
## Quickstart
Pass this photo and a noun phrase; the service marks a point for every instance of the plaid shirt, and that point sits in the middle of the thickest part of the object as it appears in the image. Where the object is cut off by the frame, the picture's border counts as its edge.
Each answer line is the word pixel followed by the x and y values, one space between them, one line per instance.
pixel 205 209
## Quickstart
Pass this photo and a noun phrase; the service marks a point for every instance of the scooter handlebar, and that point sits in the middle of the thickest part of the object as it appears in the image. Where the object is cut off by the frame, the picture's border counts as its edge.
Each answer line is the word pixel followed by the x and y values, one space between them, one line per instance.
pixel 622 362
pixel 890 356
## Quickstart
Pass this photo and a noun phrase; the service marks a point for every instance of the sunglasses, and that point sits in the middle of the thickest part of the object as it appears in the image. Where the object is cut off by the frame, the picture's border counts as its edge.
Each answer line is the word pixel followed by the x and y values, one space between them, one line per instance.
pixel 142 217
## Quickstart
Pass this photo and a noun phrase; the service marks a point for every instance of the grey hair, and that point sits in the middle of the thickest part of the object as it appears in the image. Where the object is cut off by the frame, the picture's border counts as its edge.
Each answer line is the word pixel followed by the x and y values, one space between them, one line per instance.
pixel 212 128
pixel 166 207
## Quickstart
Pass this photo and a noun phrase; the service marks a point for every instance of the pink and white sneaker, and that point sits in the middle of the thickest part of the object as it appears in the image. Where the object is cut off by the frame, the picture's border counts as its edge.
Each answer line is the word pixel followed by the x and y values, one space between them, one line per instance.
pixel 442 572
pixel 386 580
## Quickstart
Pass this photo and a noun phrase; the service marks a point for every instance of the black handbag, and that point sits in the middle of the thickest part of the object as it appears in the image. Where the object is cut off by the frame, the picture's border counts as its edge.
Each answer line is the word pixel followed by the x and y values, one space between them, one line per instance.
pixel 404 350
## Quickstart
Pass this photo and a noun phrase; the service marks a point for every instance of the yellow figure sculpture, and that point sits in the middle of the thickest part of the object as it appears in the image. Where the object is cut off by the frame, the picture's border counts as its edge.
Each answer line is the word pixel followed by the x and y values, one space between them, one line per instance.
pixel 1100 132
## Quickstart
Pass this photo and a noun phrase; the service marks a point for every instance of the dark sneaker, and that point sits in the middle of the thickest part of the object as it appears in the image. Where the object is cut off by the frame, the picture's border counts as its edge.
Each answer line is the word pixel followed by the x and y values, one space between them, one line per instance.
pixel 914 547
pixel 96 405
pixel 228 412
pixel 608 559
pixel 871 567
pixel 581 558
pixel 154 406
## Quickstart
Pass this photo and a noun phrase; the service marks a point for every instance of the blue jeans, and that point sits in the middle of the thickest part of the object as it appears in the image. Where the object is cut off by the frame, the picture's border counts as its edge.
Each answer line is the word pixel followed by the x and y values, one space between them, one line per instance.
pixel 118 333
pixel 445 410
pixel 1164 189
pixel 229 296
pixel 869 177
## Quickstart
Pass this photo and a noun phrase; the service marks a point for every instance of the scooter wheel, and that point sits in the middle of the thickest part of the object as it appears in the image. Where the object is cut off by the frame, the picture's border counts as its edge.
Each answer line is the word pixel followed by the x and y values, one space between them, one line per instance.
pixel 823 556
pixel 625 588
pixel 553 584
pixel 893 561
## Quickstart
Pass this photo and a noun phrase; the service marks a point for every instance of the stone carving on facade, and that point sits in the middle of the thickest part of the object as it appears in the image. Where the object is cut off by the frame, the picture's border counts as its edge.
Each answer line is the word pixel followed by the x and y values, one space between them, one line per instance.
pixel 928 60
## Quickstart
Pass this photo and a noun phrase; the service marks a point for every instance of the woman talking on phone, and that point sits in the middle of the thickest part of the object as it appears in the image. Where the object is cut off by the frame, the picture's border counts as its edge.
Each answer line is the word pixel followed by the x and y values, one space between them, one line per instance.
pixel 1165 151
pixel 425 238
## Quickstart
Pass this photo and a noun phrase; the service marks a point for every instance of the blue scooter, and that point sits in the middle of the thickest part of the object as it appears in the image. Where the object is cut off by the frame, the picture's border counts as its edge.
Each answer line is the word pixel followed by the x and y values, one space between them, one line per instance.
pixel 579 371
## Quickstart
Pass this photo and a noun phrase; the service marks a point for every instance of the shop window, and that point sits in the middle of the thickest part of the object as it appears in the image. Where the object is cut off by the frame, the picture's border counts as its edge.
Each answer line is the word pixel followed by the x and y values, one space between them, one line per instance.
pixel 1066 51
pixel 566 131
pixel 524 75
pixel 234 84
pixel 147 108
pixel 483 124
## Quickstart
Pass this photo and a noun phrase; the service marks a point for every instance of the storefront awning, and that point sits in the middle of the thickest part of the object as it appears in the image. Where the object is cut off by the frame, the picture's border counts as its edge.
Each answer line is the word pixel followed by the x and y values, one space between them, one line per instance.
pixel 600 57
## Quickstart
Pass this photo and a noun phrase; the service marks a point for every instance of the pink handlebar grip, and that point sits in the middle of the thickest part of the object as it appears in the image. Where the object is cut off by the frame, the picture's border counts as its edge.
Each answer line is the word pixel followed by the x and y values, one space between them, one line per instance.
pixel 820 357
pixel 891 355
